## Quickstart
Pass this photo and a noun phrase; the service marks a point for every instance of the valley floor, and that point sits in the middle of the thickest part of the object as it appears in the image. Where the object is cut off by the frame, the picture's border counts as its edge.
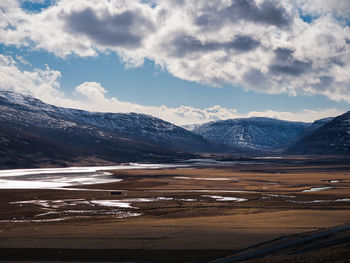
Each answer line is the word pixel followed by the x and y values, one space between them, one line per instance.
pixel 186 215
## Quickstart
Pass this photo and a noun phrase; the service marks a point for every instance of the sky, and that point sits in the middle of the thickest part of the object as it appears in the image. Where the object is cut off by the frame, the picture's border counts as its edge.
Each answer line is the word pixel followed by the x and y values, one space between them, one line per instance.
pixel 184 61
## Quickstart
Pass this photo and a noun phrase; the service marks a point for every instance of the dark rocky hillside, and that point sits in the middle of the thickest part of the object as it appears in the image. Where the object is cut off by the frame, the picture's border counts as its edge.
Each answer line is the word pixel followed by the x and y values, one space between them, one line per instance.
pixel 33 133
pixel 331 138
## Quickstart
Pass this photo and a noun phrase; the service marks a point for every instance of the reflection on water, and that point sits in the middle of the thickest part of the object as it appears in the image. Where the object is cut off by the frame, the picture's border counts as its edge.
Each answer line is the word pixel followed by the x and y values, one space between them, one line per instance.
pixel 50 178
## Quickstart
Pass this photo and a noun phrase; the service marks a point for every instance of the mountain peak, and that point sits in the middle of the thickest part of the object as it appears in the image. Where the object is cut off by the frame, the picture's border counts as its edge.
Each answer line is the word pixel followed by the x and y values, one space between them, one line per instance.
pixel 251 134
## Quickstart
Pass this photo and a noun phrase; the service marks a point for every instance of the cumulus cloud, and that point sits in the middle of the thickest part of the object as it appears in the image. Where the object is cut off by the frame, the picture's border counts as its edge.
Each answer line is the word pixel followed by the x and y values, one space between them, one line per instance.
pixel 262 45
pixel 44 84
pixel 39 82
pixel 183 45
pixel 305 115
pixel 265 12
pixel 126 29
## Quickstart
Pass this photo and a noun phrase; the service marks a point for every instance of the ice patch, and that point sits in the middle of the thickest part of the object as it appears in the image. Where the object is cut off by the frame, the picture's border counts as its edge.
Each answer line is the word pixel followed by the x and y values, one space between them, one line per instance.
pixel 223 199
pixel 47 213
pixel 34 220
pixel 317 189
pixel 54 203
pixel 187 200
pixel 140 200
pixel 205 179
pixel 125 203
pixel 343 200
pixel 320 201
pixel 286 196
pixel 51 178
pixel 310 202
pixel 199 191
pixel 127 214
pixel 332 181
pixel 182 177
pixel 112 203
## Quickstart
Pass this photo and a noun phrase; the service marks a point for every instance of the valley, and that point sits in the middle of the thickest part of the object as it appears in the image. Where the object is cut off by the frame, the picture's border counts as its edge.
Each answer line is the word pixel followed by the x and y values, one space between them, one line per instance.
pixel 197 213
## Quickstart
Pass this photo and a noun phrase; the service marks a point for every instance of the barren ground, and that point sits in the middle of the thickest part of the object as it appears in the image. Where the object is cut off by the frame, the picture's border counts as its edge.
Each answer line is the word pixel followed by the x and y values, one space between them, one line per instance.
pixel 180 215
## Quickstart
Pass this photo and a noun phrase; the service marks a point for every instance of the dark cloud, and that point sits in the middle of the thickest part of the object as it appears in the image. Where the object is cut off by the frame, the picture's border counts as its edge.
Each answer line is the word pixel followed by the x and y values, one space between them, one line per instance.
pixel 126 29
pixel 243 43
pixel 337 61
pixel 268 13
pixel 284 63
pixel 255 79
pixel 184 44
pixel 324 83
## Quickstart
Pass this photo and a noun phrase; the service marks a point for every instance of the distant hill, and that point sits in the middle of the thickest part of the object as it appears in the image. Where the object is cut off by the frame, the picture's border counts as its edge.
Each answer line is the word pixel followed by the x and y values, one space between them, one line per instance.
pixel 251 134
pixel 331 138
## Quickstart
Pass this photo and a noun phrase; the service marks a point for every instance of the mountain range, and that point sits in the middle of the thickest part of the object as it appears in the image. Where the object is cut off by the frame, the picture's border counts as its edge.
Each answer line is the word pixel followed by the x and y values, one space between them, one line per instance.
pixel 33 133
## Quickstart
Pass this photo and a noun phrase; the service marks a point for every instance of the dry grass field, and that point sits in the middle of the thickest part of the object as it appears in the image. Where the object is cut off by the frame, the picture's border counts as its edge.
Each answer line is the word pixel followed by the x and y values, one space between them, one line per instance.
pixel 184 215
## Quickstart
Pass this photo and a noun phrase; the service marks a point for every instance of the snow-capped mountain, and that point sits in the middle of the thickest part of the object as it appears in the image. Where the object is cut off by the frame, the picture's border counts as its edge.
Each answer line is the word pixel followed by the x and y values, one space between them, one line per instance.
pixel 30 126
pixel 251 134
pixel 331 138
pixel 33 133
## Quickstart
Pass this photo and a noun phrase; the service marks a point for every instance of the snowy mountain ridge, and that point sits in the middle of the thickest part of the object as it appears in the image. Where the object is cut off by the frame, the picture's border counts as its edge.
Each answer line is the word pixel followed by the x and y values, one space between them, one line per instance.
pixel 31 127
pixel 251 134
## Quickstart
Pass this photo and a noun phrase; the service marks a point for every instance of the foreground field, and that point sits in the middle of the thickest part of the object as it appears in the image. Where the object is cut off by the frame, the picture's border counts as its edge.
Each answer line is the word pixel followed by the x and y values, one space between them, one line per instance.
pixel 185 215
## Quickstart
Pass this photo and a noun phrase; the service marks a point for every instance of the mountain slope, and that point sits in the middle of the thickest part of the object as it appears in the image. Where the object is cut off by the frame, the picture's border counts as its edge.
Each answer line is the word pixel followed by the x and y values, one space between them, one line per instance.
pixel 251 134
pixel 331 138
pixel 33 131
pixel 313 127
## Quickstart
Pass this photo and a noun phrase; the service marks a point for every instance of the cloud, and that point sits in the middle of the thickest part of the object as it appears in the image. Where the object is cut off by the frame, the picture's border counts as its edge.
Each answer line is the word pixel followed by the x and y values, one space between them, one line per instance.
pixel 319 7
pixel 126 29
pixel 261 45
pixel 267 12
pixel 44 84
pixel 284 63
pixel 305 115
pixel 93 91
pixel 39 82
pixel 183 45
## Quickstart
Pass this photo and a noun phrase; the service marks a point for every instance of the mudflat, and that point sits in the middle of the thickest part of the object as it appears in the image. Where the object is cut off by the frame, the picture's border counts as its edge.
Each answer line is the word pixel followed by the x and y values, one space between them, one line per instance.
pixel 180 214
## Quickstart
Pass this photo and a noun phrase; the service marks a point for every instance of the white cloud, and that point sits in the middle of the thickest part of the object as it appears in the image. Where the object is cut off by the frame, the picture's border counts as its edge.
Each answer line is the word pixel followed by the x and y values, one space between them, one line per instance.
pixel 44 84
pixel 39 82
pixel 93 91
pixel 317 7
pixel 212 41
pixel 263 45
pixel 305 115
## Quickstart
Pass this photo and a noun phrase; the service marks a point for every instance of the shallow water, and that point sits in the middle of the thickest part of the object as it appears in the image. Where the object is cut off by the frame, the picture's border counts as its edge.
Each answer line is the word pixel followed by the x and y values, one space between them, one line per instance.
pixel 51 178
pixel 320 201
pixel 112 203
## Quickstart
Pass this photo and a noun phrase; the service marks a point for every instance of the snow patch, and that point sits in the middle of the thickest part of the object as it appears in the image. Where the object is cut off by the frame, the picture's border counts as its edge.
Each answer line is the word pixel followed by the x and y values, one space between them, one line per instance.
pixel 205 179
pixel 317 189
pixel 224 199
pixel 51 178
pixel 112 203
